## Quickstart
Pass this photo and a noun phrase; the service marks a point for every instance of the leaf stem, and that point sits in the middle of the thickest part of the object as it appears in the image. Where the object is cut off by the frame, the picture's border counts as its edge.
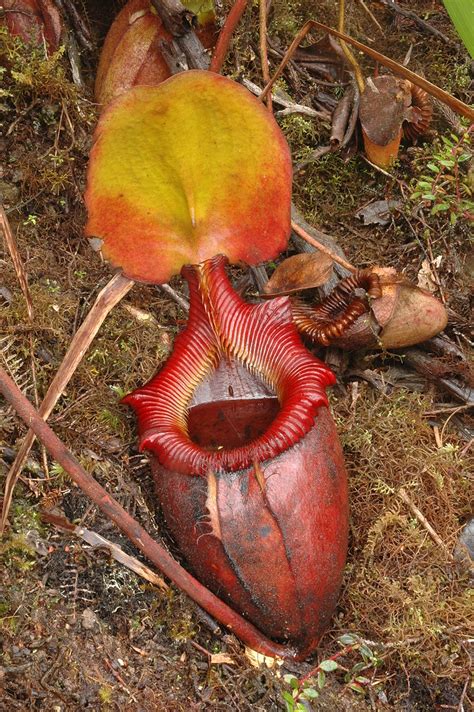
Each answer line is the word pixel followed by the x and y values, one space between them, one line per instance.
pixel 225 36
pixel 349 55
pixel 315 243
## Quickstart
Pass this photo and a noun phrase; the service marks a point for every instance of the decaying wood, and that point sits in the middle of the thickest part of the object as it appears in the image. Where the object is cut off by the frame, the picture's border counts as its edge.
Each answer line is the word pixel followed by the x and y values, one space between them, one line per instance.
pixel 437 371
pixel 176 18
pixel 340 118
pixel 134 531
pixel 112 293
pixel 180 23
pixel 81 31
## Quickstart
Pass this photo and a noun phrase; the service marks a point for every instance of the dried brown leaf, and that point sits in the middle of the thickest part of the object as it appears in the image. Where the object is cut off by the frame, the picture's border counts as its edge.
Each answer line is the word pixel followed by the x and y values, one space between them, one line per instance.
pixel 303 271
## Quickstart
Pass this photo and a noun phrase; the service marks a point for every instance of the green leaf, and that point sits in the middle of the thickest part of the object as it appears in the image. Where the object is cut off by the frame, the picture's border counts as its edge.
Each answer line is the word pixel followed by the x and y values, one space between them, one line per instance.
pixel 321 679
pixel 290 703
pixel 328 665
pixel 347 638
pixel 366 652
pixel 433 167
pixel 291 680
pixel 439 208
pixel 310 693
pixel 429 196
pixel 356 687
pixel 447 162
pixel 203 9
pixel 186 170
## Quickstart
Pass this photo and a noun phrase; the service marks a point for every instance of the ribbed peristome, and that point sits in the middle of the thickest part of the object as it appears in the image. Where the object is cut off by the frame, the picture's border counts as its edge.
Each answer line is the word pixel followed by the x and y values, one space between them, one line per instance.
pixel 263 338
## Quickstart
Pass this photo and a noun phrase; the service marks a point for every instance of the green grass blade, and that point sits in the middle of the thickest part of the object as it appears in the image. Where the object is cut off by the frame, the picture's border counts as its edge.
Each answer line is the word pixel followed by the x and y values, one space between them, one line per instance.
pixel 461 13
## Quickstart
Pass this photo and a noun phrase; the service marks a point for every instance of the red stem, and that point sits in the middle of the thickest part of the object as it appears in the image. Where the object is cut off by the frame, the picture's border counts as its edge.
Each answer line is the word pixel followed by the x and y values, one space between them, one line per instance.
pixel 250 635
pixel 225 36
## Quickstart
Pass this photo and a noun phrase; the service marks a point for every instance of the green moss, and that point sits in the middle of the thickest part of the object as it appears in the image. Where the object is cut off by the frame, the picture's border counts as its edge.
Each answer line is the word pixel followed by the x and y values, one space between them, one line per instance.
pixel 105 694
pixel 15 550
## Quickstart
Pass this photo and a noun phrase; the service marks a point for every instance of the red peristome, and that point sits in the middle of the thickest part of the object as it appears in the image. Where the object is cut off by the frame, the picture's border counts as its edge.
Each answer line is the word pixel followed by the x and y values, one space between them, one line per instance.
pixel 34 21
pixel 222 326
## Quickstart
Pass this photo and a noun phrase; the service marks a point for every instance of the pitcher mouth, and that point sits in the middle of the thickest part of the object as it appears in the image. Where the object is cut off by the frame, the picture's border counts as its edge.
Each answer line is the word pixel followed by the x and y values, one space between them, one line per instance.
pixel 247 346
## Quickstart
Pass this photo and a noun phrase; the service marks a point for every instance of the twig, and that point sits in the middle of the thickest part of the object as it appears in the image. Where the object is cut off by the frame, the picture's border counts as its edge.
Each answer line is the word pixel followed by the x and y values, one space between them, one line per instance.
pixel 314 671
pixel 23 280
pixel 17 261
pixel 372 16
pixel 446 422
pixel 423 521
pixel 336 258
pixel 225 36
pixel 463 695
pixel 119 679
pixel 432 89
pixel 349 56
pixel 263 48
pixel 183 303
pixel 327 240
pixel 74 60
pixel 116 552
pixel 278 98
pixel 391 5
pixel 313 156
pixel 135 532
pixel 112 293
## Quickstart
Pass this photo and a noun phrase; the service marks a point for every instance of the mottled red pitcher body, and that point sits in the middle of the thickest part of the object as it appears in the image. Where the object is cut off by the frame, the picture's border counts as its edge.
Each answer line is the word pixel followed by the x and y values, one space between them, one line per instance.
pixel 247 463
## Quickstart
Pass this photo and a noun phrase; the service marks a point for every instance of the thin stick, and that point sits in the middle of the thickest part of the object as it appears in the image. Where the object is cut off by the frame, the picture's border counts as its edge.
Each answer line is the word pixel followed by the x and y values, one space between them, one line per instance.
pixel 183 303
pixel 135 532
pixel 112 293
pixel 23 281
pixel 423 520
pixel 349 56
pixel 372 16
pixel 116 552
pixel 310 240
pixel 17 261
pixel 225 36
pixel 432 89
pixel 263 49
